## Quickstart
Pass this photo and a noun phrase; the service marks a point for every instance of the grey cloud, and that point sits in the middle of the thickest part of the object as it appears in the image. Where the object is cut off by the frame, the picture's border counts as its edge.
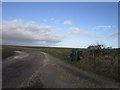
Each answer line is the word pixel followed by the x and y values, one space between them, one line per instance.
pixel 17 31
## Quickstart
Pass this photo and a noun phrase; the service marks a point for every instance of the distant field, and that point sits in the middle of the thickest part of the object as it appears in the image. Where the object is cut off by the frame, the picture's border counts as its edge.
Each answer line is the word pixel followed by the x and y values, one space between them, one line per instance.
pixel 105 65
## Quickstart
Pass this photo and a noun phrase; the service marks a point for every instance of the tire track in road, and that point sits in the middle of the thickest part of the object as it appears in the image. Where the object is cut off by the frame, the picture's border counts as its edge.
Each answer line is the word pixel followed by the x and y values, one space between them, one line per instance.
pixel 16 71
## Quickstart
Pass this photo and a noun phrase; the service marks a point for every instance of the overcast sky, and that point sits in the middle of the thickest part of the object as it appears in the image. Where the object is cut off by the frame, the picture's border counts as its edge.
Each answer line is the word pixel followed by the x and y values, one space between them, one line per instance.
pixel 69 24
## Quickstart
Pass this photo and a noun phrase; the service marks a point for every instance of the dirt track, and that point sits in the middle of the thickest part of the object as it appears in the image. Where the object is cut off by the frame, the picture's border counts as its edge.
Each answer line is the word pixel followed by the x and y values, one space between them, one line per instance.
pixel 24 66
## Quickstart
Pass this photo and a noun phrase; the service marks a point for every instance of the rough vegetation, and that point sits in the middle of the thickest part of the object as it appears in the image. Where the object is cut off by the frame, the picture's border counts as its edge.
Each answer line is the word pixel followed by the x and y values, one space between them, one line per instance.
pixel 101 61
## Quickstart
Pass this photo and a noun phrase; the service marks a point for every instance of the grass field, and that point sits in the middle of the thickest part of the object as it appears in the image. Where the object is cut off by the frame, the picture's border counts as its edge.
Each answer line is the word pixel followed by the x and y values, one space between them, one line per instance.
pixel 7 52
pixel 105 65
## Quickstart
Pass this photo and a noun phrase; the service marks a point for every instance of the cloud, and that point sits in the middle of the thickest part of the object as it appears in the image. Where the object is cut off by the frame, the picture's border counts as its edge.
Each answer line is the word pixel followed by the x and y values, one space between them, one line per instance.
pixel 103 27
pixel 74 30
pixel 18 32
pixel 67 22
pixel 115 34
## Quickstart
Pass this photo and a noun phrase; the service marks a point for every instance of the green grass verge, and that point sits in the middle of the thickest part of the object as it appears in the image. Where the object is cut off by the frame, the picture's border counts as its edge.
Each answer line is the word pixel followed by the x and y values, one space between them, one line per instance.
pixel 6 52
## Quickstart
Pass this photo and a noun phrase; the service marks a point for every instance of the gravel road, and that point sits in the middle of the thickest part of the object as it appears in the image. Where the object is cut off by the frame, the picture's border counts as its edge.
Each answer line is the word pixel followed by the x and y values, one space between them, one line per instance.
pixel 25 65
